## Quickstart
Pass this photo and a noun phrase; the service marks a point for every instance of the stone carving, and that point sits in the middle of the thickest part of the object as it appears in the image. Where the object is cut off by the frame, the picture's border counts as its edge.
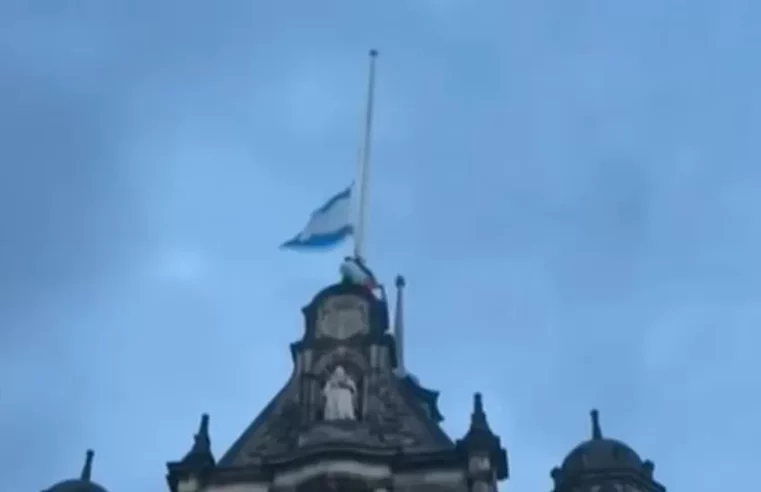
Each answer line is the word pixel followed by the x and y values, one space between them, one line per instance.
pixel 340 396
pixel 322 433
pixel 342 317
pixel 380 417
pixel 391 419
pixel 480 464
pixel 343 356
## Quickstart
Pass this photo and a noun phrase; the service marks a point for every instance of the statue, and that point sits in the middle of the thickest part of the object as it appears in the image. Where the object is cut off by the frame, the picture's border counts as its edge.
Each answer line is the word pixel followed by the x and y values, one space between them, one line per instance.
pixel 340 396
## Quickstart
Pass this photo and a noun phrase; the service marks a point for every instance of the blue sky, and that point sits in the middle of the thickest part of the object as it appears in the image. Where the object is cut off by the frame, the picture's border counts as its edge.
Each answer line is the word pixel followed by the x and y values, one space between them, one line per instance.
pixel 570 188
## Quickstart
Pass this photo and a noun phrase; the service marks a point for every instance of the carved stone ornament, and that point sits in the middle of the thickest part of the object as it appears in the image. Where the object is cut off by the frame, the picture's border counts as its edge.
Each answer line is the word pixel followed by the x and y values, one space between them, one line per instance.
pixel 479 464
pixel 391 419
pixel 341 432
pixel 342 317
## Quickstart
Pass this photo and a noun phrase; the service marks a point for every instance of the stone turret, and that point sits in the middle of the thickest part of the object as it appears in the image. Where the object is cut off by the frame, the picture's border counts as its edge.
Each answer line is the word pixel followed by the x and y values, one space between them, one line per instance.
pixel 603 464
pixel 486 459
pixel 190 474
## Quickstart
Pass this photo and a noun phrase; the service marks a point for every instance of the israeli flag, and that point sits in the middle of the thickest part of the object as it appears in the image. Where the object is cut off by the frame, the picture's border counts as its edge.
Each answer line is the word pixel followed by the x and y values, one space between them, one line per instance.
pixel 328 225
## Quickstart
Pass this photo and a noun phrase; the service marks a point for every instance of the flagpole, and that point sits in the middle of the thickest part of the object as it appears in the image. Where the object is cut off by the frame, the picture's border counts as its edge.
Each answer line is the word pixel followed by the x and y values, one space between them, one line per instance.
pixel 363 173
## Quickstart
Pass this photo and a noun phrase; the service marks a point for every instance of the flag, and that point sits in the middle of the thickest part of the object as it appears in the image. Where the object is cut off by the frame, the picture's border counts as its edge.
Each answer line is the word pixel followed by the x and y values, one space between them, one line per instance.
pixel 328 225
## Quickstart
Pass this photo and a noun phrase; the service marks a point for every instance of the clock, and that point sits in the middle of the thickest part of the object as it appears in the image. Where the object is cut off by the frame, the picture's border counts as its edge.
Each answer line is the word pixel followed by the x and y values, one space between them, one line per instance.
pixel 342 317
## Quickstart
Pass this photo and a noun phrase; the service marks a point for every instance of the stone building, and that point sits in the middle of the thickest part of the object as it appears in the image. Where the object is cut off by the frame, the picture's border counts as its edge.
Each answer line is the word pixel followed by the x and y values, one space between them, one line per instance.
pixel 351 418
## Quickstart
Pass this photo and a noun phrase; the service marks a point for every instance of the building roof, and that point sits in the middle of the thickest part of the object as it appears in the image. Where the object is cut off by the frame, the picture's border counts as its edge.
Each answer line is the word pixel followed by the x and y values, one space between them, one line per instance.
pixel 278 431
pixel 397 420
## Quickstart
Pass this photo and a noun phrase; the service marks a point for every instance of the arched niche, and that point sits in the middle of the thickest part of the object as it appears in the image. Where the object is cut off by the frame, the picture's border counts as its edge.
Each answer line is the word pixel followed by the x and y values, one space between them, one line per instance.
pixel 351 360
pixel 355 366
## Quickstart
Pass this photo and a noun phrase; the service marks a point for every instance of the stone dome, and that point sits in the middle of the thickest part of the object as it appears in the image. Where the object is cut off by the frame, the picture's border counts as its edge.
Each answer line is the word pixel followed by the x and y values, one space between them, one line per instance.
pixel 76 485
pixel 599 455
pixel 81 484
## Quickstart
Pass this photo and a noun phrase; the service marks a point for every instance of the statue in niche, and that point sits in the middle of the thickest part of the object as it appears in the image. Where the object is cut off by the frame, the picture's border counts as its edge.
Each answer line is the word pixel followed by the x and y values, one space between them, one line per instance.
pixel 340 393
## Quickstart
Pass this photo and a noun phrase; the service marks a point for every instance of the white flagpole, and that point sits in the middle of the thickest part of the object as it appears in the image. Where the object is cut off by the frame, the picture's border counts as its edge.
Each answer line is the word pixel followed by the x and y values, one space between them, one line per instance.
pixel 363 173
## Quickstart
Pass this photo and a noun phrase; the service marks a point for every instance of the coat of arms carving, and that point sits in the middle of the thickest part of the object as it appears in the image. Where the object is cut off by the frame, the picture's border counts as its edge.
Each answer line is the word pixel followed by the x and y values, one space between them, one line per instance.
pixel 342 317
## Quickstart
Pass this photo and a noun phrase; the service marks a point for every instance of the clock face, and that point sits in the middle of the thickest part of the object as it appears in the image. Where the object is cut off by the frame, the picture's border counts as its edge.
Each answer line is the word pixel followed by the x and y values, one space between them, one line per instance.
pixel 342 317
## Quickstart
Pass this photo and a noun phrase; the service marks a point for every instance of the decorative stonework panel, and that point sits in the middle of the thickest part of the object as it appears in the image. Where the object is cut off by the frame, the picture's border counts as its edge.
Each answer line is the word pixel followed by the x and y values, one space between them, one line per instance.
pixel 342 317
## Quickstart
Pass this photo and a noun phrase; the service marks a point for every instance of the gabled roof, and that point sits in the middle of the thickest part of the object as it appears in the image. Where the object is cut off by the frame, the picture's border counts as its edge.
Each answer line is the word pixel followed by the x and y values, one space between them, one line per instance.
pixel 267 415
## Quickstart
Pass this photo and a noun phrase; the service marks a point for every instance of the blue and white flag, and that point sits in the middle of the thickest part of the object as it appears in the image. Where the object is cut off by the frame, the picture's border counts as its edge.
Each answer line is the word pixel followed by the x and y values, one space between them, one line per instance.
pixel 328 225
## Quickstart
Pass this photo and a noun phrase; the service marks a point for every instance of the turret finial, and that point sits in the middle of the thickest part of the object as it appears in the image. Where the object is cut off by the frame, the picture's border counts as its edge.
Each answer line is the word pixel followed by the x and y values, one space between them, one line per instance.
pixel 478 417
pixel 87 469
pixel 596 430
pixel 400 282
pixel 202 441
pixel 200 454
pixel 480 439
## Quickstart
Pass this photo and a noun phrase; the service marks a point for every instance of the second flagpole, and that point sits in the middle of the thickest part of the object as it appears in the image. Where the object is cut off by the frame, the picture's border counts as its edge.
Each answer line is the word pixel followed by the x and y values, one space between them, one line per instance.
pixel 363 172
